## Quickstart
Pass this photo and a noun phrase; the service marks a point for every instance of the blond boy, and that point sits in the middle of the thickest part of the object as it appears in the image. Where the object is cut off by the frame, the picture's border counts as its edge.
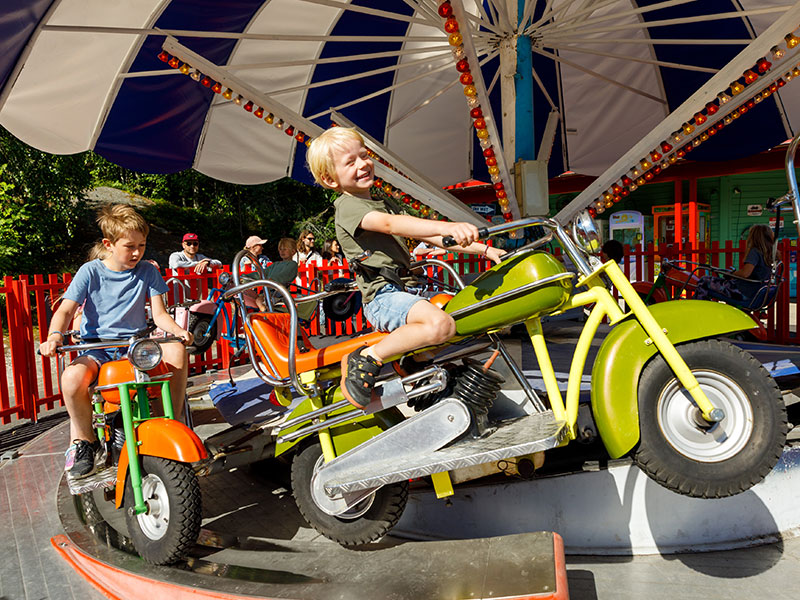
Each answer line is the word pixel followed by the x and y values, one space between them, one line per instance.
pixel 113 291
pixel 338 159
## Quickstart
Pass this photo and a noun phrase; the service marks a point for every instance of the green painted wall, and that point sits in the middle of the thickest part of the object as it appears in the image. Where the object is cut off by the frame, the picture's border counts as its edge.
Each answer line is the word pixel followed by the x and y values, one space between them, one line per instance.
pixel 729 196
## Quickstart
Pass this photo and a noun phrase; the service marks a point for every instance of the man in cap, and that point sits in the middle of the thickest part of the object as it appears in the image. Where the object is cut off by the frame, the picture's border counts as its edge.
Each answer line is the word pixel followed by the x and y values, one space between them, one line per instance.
pixel 190 257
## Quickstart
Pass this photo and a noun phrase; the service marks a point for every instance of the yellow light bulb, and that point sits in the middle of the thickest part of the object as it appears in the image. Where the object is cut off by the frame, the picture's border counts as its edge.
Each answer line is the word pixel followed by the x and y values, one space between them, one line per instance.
pixel 455 39
pixel 494 170
pixel 469 90
pixel 227 94
pixel 270 118
pixel 482 133
pixel 688 128
pixel 736 88
pixel 791 40
pixel 184 68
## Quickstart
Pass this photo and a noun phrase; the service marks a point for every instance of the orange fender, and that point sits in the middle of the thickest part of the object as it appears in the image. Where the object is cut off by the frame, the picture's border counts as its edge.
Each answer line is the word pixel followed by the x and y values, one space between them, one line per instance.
pixel 165 438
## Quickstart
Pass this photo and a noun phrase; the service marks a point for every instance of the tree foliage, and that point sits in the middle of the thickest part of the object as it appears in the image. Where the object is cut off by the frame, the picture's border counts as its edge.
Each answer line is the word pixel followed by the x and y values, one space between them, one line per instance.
pixel 47 225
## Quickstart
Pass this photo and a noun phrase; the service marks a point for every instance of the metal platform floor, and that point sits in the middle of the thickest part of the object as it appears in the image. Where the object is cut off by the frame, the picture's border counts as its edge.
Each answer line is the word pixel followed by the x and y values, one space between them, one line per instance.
pixel 251 529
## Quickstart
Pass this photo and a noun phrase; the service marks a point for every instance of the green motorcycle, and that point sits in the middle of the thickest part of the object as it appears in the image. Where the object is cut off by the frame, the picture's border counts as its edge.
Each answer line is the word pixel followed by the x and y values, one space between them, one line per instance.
pixel 697 414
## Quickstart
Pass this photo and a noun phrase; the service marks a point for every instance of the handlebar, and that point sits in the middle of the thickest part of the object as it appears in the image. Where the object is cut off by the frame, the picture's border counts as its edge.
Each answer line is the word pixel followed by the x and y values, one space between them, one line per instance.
pixel 102 345
pixel 449 241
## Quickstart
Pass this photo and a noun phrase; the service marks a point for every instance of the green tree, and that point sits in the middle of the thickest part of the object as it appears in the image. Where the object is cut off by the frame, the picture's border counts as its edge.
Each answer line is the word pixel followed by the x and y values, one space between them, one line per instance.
pixel 43 208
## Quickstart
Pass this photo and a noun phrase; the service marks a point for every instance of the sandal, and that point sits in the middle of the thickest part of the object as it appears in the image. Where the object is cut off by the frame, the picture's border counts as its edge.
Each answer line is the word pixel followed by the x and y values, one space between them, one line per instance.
pixel 358 378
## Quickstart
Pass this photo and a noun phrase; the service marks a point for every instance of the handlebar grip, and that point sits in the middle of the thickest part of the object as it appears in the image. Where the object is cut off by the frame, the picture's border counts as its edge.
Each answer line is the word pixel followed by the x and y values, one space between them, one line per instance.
pixel 448 241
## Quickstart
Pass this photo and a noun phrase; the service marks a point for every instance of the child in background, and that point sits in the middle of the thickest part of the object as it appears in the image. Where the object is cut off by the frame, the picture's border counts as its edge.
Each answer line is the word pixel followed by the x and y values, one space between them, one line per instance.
pixel 113 290
pixel 339 161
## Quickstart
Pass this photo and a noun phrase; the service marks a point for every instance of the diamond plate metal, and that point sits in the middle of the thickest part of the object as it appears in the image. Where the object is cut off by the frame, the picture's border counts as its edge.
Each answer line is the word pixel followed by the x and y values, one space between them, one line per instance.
pixel 512 438
pixel 423 433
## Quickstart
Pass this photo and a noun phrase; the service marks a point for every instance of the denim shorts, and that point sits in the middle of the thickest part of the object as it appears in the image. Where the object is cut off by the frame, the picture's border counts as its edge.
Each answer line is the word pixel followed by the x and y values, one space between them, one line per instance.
pixel 389 309
pixel 103 355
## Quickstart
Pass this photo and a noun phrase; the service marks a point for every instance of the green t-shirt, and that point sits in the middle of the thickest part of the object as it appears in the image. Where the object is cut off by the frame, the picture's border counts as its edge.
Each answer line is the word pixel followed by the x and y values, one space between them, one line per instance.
pixel 387 250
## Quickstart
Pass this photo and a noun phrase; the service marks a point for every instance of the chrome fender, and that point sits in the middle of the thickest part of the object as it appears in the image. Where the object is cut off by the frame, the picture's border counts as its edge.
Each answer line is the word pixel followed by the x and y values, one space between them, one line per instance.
pixel 627 349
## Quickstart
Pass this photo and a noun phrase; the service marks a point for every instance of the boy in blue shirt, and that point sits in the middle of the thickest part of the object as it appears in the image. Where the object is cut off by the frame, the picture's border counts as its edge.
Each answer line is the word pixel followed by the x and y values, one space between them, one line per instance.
pixel 339 161
pixel 114 292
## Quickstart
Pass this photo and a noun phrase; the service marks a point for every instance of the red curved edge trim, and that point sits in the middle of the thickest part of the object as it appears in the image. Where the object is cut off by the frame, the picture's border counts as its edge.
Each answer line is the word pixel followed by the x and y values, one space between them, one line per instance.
pixel 117 584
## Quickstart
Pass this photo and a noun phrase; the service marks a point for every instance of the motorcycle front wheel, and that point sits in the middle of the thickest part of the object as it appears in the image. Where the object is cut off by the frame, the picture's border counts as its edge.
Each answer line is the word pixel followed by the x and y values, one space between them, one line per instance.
pixel 171 525
pixel 204 332
pixel 684 453
pixel 367 520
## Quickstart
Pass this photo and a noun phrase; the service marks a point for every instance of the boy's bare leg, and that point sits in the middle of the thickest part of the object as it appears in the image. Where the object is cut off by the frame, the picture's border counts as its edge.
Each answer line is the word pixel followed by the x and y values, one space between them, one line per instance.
pixel 426 325
pixel 174 356
pixel 75 382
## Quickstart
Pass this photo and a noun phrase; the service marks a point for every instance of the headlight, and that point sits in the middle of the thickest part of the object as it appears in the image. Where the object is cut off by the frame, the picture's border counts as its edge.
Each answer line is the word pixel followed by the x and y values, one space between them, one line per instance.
pixel 224 279
pixel 586 234
pixel 144 354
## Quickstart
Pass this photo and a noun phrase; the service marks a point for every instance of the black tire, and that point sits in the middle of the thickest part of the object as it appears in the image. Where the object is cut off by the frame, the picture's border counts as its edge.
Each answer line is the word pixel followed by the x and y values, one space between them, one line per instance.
pixel 367 521
pixel 688 456
pixel 168 530
pixel 204 332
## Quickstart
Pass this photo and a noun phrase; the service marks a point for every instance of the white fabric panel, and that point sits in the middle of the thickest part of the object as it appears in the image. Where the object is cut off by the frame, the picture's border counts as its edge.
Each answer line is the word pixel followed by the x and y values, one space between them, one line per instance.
pixel 605 120
pixel 68 76
pixel 436 138
pixel 237 147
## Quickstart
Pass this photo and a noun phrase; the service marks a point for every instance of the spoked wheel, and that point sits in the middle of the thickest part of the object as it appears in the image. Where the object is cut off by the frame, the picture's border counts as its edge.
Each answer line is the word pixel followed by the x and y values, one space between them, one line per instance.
pixel 350 521
pixel 690 456
pixel 171 525
pixel 204 332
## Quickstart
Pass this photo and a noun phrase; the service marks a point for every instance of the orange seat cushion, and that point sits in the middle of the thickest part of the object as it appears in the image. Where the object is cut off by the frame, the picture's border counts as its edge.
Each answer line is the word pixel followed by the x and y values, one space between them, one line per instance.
pixel 272 330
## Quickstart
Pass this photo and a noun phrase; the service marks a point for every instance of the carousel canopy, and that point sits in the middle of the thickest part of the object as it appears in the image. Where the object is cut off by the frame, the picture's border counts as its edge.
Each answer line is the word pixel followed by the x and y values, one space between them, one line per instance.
pixel 86 74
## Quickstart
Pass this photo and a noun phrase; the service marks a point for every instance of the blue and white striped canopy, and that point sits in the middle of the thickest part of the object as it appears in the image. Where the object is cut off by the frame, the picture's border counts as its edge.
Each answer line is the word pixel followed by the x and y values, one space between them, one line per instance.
pixel 84 74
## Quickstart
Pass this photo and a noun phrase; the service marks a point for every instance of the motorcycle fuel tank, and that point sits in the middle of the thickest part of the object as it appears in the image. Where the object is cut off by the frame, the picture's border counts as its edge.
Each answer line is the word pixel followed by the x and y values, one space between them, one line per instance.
pixel 517 289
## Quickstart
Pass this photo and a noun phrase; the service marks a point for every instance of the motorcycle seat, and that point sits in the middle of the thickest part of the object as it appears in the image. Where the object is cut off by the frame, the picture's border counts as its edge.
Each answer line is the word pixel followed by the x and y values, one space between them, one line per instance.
pixel 272 330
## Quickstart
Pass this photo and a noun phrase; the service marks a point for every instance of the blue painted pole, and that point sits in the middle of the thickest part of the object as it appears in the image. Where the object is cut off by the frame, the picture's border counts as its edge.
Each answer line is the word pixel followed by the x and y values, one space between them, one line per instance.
pixel 525 143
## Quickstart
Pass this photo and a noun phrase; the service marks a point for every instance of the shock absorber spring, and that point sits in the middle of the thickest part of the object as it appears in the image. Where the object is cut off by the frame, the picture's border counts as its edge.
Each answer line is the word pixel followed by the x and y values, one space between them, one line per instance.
pixel 477 387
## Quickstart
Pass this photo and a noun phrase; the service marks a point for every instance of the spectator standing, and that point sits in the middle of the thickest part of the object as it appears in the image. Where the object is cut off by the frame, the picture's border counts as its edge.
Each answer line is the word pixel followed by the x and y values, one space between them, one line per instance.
pixel 190 257
pixel 305 249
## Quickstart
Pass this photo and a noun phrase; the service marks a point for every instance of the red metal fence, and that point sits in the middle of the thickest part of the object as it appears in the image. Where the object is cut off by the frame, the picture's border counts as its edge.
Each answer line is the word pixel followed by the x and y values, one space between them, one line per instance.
pixel 28 383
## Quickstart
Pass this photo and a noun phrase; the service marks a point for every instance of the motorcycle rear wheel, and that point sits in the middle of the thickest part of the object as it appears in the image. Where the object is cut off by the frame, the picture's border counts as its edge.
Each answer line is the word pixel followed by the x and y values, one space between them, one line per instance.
pixel 681 451
pixel 366 521
pixel 204 332
pixel 171 525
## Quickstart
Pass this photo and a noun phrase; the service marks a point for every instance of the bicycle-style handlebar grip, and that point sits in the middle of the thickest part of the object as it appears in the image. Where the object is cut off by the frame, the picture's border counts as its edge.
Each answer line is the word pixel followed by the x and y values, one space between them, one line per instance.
pixel 448 241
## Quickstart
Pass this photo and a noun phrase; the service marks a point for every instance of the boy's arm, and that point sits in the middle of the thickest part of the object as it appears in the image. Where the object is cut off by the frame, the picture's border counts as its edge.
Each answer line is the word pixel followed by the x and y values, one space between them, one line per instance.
pixel 58 325
pixel 165 322
pixel 423 229
pixel 479 248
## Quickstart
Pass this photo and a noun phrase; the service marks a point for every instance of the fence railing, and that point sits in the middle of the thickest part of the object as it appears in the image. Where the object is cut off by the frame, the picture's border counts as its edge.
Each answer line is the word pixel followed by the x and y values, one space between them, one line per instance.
pixel 28 383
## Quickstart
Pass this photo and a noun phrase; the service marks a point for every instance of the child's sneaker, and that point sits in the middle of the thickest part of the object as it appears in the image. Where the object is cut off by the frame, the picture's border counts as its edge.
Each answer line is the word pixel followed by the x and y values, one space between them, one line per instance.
pixel 69 456
pixel 358 378
pixel 83 463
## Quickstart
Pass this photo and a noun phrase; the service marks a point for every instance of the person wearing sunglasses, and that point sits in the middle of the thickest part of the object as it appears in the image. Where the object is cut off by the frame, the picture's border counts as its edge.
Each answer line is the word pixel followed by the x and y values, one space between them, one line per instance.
pixel 305 249
pixel 189 257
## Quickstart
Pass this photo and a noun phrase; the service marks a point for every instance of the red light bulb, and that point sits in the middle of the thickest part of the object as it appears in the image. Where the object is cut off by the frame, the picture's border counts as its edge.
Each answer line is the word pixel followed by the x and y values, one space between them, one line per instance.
pixel 289 130
pixel 466 78
pixel 461 66
pixel 499 185
pixel 300 137
pixel 163 56
pixel 491 161
pixel 206 81
pixel 488 152
pixel 500 193
pixel 445 10
pixel 665 147
pixel 216 88
pixel 259 112
pixel 763 65
pixel 712 107
pixel 451 25
pixel 476 113
pixel 248 106
pixel 626 180
pixel 480 123
pixel 174 63
pixel 700 118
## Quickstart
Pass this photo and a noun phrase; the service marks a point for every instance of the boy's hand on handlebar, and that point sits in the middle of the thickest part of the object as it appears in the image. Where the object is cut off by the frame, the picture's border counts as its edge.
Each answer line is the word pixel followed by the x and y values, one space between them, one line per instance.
pixel 494 254
pixel 48 348
pixel 186 336
pixel 463 233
